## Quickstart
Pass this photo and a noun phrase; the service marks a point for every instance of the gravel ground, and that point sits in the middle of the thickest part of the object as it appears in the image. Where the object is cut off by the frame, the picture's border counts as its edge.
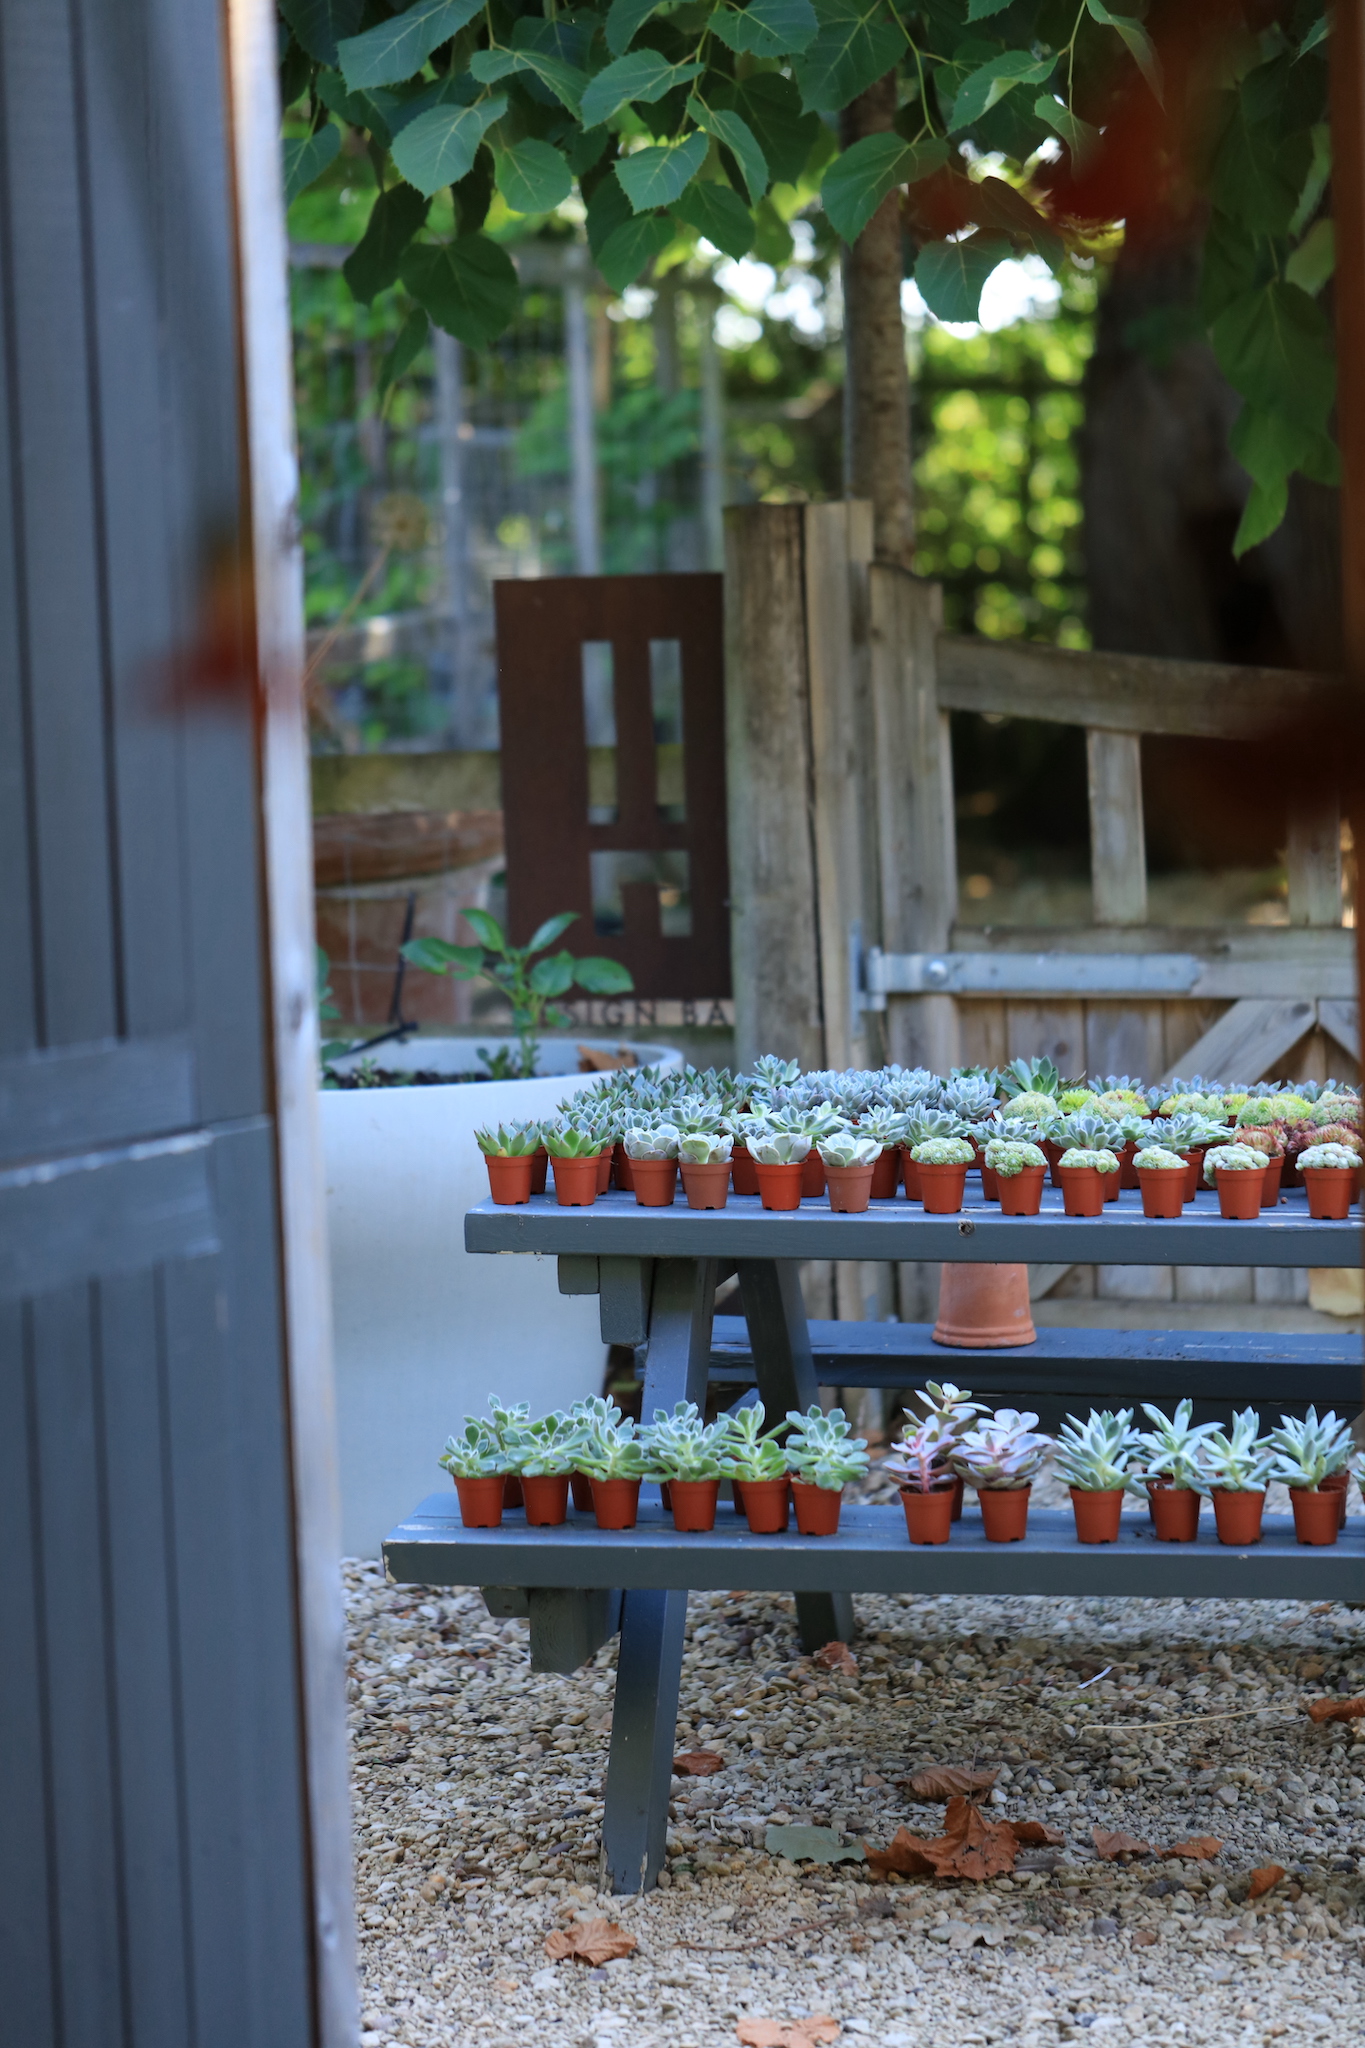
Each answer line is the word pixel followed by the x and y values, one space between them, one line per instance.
pixel 478 1801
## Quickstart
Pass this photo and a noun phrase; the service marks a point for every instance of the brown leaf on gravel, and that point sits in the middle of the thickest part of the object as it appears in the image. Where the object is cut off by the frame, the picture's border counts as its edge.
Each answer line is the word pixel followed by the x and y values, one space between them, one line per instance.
pixel 698 1763
pixel 590 1941
pixel 787 2034
pixel 836 1657
pixel 1145 1937
pixel 948 1781
pixel 1264 1880
pixel 904 1854
pixel 1112 1843
pixel 1334 1710
pixel 1199 1849
pixel 1031 1834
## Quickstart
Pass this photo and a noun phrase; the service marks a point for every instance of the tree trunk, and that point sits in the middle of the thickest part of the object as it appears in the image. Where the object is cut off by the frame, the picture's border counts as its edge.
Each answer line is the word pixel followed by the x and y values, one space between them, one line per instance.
pixel 877 392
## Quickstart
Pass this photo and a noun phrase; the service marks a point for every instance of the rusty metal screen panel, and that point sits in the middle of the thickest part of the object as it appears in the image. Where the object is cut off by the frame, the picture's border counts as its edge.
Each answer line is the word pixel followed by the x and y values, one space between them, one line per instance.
pixel 612 702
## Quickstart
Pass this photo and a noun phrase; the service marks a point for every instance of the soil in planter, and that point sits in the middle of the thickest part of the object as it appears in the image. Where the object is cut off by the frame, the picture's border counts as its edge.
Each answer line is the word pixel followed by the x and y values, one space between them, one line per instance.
pixel 928 1516
pixel 817 1507
pixel 1097 1514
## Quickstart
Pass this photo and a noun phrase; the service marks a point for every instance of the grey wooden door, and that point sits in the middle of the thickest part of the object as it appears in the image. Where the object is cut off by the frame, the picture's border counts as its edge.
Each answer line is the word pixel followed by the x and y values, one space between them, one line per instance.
pixel 155 1883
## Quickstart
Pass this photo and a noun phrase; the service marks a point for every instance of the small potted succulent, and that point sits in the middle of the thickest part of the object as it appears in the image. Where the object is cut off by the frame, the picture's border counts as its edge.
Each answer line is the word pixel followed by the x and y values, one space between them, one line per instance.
pixel 823 1457
pixel 683 1452
pixel 952 1412
pixel 1097 1460
pixel 1161 1177
pixel 928 1487
pixel 1175 1480
pixel 1001 1458
pixel 887 1126
pixel 1307 1455
pixel 475 1463
pixel 1329 1174
pixel 1236 1467
pixel 652 1150
pixel 574 1148
pixel 743 1173
pixel 1084 1132
pixel 850 1162
pixel 704 1162
pixel 1268 1135
pixel 509 1153
pixel 1082 1170
pixel 779 1160
pixel 1238 1172
pixel 546 1455
pixel 613 1457
pixel 942 1167
pixel 920 1125
pixel 505 1426
pixel 1019 1170
pixel 754 1461
pixel 1190 1135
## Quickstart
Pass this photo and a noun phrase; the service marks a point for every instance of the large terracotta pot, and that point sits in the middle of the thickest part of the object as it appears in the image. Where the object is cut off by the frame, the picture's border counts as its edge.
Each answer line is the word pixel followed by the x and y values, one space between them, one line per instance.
pixel 693 1502
pixel 1021 1194
pixel 1097 1514
pixel 942 1188
pixel 767 1503
pixel 656 1182
pixel 1163 1190
pixel 1238 1516
pixel 817 1507
pixel 1317 1513
pixel 547 1499
pixel 616 1502
pixel 812 1175
pixel 481 1501
pixel 1004 1512
pixel 743 1171
pixel 850 1188
pixel 928 1516
pixel 509 1180
pixel 1082 1190
pixel 886 1171
pixel 1239 1193
pixel 1175 1513
pixel 1331 1191
pixel 575 1183
pixel 780 1186
pixel 984 1308
pixel 706 1186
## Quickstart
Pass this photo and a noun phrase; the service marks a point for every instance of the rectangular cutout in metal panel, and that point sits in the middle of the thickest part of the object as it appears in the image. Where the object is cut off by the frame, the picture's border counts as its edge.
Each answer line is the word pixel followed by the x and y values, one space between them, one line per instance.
pixel 666 704
pixel 598 658
pixel 633 893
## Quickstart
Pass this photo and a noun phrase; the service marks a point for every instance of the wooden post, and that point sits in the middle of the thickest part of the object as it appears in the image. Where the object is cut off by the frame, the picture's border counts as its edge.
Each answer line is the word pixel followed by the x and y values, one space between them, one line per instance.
pixel 1313 856
pixel 1118 843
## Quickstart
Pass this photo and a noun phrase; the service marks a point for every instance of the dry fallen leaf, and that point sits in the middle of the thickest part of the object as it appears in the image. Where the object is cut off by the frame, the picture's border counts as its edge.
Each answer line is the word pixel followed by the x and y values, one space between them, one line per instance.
pixel 1199 1849
pixel 948 1781
pixel 970 1846
pixel 1036 1834
pixel 1335 1710
pixel 1145 1937
pixel 793 2034
pixel 590 1941
pixel 698 1763
pixel 1264 1880
pixel 836 1657
pixel 904 1854
pixel 1109 1844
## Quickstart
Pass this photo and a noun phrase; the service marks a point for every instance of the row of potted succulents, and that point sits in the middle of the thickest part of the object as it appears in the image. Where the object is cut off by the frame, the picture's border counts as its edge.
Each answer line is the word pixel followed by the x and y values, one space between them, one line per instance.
pixel 857 1137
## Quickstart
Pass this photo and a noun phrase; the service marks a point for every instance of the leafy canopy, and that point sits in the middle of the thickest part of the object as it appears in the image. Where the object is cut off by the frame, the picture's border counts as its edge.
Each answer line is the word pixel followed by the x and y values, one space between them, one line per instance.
pixel 1021 127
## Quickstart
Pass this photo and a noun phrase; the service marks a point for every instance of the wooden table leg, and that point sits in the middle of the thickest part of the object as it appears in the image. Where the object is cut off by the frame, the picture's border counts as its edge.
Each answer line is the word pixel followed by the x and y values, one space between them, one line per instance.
pixel 645 1713
pixel 779 1338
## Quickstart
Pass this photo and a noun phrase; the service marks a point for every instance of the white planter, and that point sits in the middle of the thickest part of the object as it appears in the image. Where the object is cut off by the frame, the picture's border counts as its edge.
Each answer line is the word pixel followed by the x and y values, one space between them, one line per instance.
pixel 424 1331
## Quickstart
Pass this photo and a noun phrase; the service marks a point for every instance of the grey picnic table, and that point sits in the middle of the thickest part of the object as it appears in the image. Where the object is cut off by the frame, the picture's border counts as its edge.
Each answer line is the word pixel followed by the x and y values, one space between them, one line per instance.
pixel 655 1273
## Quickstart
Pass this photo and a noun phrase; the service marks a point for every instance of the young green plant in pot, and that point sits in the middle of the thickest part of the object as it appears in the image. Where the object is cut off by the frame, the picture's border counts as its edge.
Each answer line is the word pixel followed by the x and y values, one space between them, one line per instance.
pixel 1238 1173
pixel 952 1413
pixel 779 1161
pixel 704 1161
pixel 1001 1458
pixel 1174 1476
pixel 1313 1459
pixel 1330 1174
pixel 753 1459
pixel 942 1167
pixel 823 1457
pixel 652 1149
pixel 1097 1459
pixel 1019 1170
pixel 683 1452
pixel 613 1457
pixel 1161 1177
pixel 545 1455
pixel 509 1153
pixel 887 1126
pixel 506 1425
pixel 575 1145
pixel 1083 1171
pixel 850 1162
pixel 1236 1467
pixel 475 1462
pixel 928 1486
pixel 923 1124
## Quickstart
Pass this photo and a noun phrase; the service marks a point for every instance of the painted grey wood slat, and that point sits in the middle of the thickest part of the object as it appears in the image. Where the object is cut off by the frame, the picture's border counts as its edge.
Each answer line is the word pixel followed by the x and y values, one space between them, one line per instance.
pixel 18 1013
pixel 83 1096
pixel 104 1212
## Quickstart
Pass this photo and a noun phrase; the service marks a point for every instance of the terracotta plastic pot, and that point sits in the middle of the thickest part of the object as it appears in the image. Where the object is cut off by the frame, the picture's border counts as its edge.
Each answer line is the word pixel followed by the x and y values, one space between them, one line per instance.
pixel 1163 1190
pixel 1004 1512
pixel 616 1502
pixel 509 1180
pixel 1128 1173
pixel 743 1171
pixel 1238 1516
pixel 666 1496
pixel 780 1186
pixel 850 1188
pixel 1270 1181
pixel 1082 1190
pixel 693 1502
pixel 928 1516
pixel 767 1504
pixel 942 1188
pixel 656 1182
pixel 481 1501
pixel 604 1166
pixel 1053 1154
pixel 817 1507
pixel 1239 1193
pixel 1175 1512
pixel 575 1183
pixel 512 1495
pixel 1317 1513
pixel 623 1169
pixel 1097 1514
pixel 812 1175
pixel 886 1171
pixel 959 1495
pixel 1331 1191
pixel 1112 1183
pixel 984 1308
pixel 540 1166
pixel 708 1186
pixel 547 1499
pixel 910 1175
pixel 737 1490
pixel 990 1182
pixel 581 1488
pixel 1021 1194
pixel 1338 1483
pixel 1194 1171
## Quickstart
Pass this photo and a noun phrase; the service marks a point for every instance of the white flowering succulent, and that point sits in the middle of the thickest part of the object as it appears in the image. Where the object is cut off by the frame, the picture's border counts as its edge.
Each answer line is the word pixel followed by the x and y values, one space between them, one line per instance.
pixel 1098 1156
pixel 1327 1156
pixel 1232 1159
pixel 1157 1159
pixel 1009 1156
pixel 943 1152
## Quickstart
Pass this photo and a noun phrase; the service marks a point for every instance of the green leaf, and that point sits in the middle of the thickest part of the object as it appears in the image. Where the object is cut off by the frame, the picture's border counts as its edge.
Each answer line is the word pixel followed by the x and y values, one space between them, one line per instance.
pixel 1078 135
pixel 979 10
pixel 552 929
pixel 1270 447
pixel 856 45
pixel 603 977
pixel 857 182
pixel 996 204
pixel 655 177
pixel 552 977
pixel 642 76
pixel 565 81
pixel 719 214
pixel 771 105
pixel 985 87
pixel 1315 182
pixel 1274 345
pixel 1265 508
pixel 1316 34
pixel 398 48
pixel 488 928
pixel 1313 262
pixel 1249 183
pixel 1135 36
pixel 361 109
pixel 625 18
pixel 468 286
pixel 411 339
pixel 738 137
pixel 441 145
pixel 317 25
pixel 395 218
pixel 630 249
pixel 533 177
pixel 766 28
pixel 438 956
pixel 608 209
pixel 307 158
pixel 950 275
